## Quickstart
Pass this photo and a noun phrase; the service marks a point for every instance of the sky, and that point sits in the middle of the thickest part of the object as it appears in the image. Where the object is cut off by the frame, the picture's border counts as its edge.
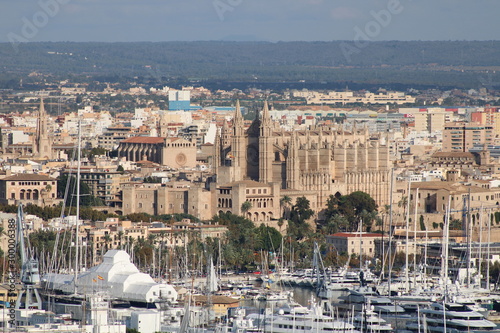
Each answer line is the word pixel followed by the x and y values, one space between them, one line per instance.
pixel 248 20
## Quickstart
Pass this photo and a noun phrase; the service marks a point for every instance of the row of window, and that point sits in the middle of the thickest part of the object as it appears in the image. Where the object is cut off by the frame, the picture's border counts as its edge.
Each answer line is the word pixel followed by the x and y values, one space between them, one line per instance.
pixel 31 183
pixel 153 205
pixel 257 191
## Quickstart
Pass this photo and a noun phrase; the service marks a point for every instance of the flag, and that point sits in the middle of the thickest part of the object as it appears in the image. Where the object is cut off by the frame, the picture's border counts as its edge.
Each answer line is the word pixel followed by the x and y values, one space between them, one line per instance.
pixel 94 280
pixel 100 277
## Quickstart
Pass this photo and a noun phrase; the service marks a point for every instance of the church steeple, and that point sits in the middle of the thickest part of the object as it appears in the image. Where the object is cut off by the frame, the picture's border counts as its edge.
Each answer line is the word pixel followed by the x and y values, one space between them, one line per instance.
pixel 266 154
pixel 42 146
pixel 216 163
pixel 238 119
pixel 265 121
pixel 292 163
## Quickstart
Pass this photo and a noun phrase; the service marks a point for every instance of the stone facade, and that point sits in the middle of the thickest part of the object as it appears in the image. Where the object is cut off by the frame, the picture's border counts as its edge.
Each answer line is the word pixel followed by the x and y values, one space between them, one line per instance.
pixel 29 189
pixel 173 152
pixel 314 162
pixel 353 243
pixel 157 199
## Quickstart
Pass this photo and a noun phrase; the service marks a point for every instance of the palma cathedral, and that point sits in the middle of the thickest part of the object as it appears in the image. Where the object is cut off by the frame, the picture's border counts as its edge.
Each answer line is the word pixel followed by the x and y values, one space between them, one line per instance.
pixel 314 162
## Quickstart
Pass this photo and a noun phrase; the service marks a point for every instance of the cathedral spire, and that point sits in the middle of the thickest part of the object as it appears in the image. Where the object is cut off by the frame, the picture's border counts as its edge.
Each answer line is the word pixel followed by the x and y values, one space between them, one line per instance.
pixel 41 110
pixel 265 113
pixel 238 126
pixel 238 118
pixel 265 121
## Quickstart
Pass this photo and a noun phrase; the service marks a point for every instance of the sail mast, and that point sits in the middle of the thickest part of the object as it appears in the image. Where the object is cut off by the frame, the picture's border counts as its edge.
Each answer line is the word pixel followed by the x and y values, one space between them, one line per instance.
pixel 77 225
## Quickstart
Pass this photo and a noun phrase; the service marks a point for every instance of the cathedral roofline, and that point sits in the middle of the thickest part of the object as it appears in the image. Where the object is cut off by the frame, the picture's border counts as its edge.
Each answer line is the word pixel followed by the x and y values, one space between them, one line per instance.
pixel 144 139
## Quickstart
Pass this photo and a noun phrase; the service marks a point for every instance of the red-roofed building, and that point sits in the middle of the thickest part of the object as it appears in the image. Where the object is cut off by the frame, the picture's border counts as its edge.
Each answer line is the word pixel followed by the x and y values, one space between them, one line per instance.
pixel 353 242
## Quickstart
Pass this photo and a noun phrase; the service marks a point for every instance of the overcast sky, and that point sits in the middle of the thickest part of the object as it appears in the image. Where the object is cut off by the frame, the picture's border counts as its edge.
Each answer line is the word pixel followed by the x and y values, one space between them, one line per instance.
pixel 262 20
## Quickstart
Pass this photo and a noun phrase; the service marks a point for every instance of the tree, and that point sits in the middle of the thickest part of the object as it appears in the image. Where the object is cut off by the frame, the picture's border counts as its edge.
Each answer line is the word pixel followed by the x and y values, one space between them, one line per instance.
pixel 353 207
pixel 120 238
pixel 335 224
pixel 245 207
pixel 361 201
pixel 86 197
pixel 422 223
pixel 403 203
pixel 298 227
pixel 107 242
pixel 455 224
pixel 151 179
pixel 285 203
pixel 280 223
pixel 120 168
pixel 267 238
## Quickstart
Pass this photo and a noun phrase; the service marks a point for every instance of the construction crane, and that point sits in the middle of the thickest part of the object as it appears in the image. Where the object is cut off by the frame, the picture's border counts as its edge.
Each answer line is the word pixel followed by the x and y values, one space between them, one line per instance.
pixel 29 297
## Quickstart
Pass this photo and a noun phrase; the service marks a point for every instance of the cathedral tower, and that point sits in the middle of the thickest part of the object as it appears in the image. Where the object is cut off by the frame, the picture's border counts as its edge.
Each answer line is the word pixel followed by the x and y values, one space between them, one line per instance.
pixel 265 147
pixel 42 147
pixel 238 145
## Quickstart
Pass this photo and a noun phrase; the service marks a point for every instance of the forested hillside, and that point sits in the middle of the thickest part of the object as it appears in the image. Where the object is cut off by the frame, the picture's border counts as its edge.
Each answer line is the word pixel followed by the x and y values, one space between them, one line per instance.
pixel 444 63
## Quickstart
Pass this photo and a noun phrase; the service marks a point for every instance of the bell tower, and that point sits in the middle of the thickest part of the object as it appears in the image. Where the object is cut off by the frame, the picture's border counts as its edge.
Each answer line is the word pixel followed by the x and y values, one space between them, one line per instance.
pixel 265 147
pixel 42 147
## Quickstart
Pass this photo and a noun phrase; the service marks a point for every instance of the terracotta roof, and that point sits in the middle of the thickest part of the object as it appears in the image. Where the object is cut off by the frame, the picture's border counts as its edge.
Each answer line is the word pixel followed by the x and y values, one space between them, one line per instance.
pixel 144 139
pixel 28 176
pixel 455 154
pixel 449 186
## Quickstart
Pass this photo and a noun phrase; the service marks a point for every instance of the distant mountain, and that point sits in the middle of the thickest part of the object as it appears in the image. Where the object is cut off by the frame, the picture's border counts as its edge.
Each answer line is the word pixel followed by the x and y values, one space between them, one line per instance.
pixel 436 63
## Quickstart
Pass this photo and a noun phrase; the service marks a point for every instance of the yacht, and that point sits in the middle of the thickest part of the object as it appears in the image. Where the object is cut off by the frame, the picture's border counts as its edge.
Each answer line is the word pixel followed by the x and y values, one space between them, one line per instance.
pixel 357 298
pixel 369 321
pixel 451 317
pixel 301 319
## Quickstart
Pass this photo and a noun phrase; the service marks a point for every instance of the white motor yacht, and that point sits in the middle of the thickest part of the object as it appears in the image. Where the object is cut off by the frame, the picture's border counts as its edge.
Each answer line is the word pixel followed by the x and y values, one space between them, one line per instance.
pixel 370 321
pixel 301 319
pixel 451 317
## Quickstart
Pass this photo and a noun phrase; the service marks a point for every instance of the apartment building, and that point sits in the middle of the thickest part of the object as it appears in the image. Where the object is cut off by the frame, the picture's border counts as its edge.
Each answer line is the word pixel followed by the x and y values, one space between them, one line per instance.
pixel 462 136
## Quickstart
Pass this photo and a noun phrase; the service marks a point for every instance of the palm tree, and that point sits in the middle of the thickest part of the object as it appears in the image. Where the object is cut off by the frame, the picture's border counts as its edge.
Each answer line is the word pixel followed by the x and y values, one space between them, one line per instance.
pixel 245 207
pixel 280 223
pixel 120 238
pixel 107 241
pixel 403 203
pixel 385 211
pixel 285 203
